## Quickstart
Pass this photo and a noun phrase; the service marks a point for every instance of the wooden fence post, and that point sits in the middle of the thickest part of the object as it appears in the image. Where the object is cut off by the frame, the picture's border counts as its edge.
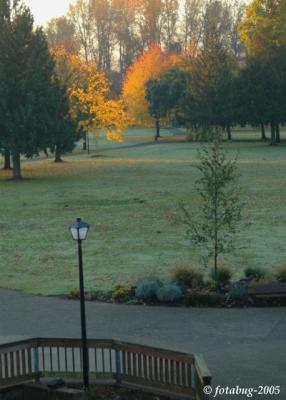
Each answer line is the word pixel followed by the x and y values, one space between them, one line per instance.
pixel 37 363
pixel 117 366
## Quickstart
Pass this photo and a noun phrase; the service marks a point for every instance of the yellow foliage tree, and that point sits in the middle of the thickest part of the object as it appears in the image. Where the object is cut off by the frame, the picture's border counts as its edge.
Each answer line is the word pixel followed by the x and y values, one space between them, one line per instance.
pixel 89 91
pixel 149 65
pixel 263 27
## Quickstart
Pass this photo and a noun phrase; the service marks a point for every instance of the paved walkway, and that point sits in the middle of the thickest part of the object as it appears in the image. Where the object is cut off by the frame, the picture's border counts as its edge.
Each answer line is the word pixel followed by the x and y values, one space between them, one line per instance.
pixel 245 347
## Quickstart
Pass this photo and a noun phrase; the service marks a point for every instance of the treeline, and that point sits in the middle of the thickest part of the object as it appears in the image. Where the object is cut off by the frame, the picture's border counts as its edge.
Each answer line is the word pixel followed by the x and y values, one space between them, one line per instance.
pixel 113 33
pixel 213 88
pixel 212 63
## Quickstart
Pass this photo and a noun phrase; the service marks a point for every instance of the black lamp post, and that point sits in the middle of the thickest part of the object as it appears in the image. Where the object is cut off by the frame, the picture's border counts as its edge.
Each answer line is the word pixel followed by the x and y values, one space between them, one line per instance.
pixel 79 232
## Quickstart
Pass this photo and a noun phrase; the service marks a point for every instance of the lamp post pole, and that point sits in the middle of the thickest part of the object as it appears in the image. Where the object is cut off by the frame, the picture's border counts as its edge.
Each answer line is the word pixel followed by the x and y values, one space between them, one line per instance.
pixel 83 321
pixel 79 231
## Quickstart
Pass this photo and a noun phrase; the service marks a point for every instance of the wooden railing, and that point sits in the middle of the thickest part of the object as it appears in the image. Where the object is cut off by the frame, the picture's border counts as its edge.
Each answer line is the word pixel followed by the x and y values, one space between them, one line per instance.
pixel 18 362
pixel 146 368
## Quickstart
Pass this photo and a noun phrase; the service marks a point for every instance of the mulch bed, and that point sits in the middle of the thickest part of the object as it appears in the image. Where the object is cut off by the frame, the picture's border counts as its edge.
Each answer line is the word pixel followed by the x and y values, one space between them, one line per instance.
pixel 260 295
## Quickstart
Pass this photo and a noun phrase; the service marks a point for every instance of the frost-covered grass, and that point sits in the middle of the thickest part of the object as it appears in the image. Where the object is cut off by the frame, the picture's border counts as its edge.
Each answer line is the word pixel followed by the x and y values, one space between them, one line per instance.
pixel 130 197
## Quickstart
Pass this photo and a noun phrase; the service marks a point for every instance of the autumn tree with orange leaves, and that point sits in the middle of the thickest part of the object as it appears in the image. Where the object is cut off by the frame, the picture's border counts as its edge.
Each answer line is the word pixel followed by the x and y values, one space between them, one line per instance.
pixel 88 91
pixel 149 65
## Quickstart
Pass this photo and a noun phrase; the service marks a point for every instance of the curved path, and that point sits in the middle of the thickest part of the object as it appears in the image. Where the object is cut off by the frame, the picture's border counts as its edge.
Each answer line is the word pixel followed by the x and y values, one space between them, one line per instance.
pixel 245 347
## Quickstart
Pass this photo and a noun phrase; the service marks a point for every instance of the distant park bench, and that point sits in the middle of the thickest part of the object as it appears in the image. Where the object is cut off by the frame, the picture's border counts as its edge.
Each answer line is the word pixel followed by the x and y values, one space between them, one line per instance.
pixel 268 290
pixel 177 131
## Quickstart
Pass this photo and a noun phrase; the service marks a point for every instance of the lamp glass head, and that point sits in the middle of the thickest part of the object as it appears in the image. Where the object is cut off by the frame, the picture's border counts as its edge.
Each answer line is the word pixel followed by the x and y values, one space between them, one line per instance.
pixel 79 230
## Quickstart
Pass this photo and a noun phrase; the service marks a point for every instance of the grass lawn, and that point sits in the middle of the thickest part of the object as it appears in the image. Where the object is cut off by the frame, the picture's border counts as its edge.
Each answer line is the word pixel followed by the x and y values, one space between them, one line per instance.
pixel 130 196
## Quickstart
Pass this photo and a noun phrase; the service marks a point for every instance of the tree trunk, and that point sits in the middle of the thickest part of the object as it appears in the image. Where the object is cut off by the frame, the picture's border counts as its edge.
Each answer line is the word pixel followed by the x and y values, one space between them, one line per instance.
pixel 58 155
pixel 263 135
pixel 7 160
pixel 84 147
pixel 277 130
pixel 16 166
pixel 215 265
pixel 216 235
pixel 87 141
pixel 120 58
pixel 273 133
pixel 157 129
pixel 228 130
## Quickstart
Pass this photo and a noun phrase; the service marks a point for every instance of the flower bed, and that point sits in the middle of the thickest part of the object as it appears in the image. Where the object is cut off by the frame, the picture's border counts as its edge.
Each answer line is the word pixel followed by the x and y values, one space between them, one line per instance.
pixel 189 288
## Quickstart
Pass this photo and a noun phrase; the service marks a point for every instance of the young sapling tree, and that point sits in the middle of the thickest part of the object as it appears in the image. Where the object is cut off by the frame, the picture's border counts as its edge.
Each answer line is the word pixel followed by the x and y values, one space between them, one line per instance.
pixel 214 228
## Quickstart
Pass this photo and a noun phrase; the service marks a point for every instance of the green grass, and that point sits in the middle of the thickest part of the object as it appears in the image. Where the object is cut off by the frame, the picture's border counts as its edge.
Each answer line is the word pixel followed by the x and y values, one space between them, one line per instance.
pixel 130 197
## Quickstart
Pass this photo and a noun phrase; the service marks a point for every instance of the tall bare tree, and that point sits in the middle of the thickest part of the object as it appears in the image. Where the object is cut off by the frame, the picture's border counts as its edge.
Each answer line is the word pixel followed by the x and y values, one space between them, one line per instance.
pixel 217 18
pixel 61 32
pixel 125 30
pixel 200 17
pixel 149 21
pixel 169 23
pixel 102 17
pixel 236 44
pixel 114 32
pixel 81 17
pixel 192 24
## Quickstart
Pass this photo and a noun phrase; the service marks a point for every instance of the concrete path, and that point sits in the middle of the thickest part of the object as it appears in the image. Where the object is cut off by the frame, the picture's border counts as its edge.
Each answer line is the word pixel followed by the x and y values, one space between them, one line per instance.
pixel 245 347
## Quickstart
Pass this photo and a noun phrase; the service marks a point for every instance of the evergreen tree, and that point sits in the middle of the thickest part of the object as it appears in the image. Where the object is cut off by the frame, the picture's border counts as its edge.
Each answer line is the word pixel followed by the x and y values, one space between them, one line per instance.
pixel 261 93
pixel 26 67
pixel 63 127
pixel 209 92
pixel 3 151
pixel 250 99
pixel 27 70
pixel 165 95
pixel 156 93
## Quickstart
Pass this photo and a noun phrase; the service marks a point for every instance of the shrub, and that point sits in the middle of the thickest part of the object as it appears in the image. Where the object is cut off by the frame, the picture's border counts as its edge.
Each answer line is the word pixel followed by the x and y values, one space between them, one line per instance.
pixel 223 277
pixel 148 288
pixel 169 293
pixel 74 294
pixel 121 293
pixel 254 272
pixel 198 134
pixel 203 298
pixel 187 277
pixel 238 295
pixel 280 273
pixel 210 284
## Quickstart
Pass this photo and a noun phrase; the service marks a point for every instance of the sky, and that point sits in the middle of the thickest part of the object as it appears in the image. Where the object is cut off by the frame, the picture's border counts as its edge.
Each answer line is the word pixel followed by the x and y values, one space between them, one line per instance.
pixel 43 10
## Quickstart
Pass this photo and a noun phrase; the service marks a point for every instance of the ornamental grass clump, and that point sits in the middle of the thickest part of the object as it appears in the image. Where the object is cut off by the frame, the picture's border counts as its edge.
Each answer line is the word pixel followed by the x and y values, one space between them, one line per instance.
pixel 254 272
pixel 223 276
pixel 121 293
pixel 280 273
pixel 169 293
pixel 238 295
pixel 147 288
pixel 74 294
pixel 187 277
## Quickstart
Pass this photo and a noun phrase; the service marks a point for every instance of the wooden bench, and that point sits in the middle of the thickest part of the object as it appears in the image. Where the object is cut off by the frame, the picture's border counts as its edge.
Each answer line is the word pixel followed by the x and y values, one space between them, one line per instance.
pixel 268 290
pixel 177 131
